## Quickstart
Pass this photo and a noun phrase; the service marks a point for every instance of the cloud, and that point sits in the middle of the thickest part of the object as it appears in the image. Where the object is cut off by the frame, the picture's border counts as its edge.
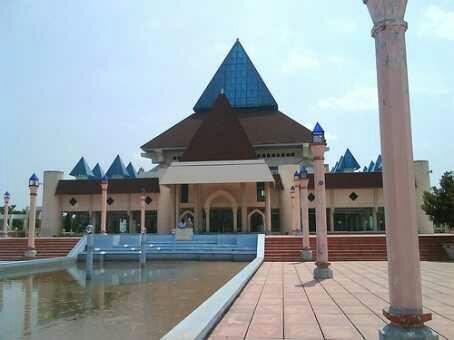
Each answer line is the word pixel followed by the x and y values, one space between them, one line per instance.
pixel 358 99
pixel 438 23
pixel 306 61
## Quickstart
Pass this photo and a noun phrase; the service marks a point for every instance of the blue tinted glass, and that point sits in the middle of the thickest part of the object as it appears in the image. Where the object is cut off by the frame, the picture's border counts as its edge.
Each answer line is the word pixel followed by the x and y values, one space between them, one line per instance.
pixel 240 81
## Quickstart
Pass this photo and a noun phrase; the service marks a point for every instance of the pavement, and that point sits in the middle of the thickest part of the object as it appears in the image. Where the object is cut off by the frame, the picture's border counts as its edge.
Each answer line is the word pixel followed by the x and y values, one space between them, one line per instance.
pixel 282 301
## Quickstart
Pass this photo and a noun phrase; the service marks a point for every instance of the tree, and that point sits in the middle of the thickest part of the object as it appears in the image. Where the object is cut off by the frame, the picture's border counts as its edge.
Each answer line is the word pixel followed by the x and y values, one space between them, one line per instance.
pixel 439 204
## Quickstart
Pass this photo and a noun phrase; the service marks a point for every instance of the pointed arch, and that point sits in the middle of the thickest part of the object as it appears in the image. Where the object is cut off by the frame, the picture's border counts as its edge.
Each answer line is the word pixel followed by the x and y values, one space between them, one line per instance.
pixel 233 203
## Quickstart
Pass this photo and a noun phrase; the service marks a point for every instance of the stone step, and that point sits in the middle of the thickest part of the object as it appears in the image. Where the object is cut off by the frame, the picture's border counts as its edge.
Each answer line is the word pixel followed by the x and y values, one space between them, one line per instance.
pixel 13 249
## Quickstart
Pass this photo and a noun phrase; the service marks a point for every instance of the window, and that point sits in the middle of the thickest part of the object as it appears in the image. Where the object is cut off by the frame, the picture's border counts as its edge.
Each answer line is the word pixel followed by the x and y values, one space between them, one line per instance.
pixel 275 220
pixel 184 193
pixel 260 188
pixel 312 227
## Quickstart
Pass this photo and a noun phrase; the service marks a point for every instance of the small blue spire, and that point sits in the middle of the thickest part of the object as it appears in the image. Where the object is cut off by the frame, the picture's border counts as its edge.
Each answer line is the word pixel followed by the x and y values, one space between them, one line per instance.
pixel 34 177
pixel 349 161
pixel 98 171
pixel 104 179
pixel 340 165
pixel 335 166
pixel 117 169
pixel 303 171
pixel 378 164
pixel 365 169
pixel 371 166
pixel 81 170
pixel 131 170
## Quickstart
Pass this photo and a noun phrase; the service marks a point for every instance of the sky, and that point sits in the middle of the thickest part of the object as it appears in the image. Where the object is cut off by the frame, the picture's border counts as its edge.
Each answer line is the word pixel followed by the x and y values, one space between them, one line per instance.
pixel 101 78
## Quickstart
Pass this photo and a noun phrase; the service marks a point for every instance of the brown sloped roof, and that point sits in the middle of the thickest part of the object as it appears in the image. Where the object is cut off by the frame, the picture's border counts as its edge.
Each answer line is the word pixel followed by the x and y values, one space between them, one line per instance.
pixel 220 137
pixel 350 180
pixel 116 186
pixel 261 127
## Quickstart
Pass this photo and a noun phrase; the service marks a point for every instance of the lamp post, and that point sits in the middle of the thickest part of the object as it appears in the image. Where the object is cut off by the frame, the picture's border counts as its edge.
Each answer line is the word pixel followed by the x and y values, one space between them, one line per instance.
pixel 33 186
pixel 322 270
pixel 404 275
pixel 292 192
pixel 302 180
pixel 143 229
pixel 104 186
pixel 6 197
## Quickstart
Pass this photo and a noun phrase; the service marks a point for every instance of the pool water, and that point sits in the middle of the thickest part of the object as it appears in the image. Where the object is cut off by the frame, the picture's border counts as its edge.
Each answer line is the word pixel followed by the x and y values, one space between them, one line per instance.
pixel 122 301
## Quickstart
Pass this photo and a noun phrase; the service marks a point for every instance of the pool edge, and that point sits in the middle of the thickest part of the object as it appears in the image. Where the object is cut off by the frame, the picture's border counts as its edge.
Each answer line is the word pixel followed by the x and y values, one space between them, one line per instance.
pixel 204 318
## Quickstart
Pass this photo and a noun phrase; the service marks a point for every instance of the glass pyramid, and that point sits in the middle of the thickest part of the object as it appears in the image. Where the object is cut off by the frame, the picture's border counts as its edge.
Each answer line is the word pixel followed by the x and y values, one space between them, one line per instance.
pixel 239 80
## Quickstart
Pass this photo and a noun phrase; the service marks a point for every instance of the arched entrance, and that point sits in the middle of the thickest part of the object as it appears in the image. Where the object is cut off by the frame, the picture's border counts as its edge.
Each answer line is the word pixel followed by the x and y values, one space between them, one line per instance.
pixel 256 220
pixel 221 219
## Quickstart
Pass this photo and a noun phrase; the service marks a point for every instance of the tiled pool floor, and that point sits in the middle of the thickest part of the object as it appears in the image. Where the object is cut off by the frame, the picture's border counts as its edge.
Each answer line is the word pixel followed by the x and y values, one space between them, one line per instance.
pixel 282 301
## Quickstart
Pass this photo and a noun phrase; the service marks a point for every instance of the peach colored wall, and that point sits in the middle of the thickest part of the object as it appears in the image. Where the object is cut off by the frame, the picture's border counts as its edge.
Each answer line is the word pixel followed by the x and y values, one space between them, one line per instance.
pixel 164 202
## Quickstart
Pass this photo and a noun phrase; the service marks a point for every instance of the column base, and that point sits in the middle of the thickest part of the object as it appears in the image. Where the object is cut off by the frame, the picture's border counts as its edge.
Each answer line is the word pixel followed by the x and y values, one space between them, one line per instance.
pixel 306 255
pixel 31 252
pixel 322 271
pixel 396 332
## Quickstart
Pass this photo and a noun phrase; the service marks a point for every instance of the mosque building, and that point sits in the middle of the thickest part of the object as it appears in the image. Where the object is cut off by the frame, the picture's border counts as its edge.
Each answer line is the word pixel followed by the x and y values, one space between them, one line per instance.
pixel 228 166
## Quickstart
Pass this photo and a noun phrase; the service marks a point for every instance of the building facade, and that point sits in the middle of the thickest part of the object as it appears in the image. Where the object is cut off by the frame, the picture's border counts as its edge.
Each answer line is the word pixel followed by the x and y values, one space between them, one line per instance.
pixel 228 167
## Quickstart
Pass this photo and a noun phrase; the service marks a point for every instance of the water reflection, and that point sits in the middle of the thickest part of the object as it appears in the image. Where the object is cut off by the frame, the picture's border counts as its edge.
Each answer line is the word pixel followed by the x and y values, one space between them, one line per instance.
pixel 122 301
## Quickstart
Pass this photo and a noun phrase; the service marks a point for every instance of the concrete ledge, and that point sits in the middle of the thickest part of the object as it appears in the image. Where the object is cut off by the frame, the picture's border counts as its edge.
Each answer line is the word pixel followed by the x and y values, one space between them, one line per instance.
pixel 204 318
pixel 32 266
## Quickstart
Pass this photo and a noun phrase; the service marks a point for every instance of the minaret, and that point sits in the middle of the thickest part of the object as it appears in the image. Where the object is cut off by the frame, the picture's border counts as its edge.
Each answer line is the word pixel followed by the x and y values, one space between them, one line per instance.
pixel 406 308
pixel 302 181
pixel 322 270
pixel 33 186
pixel 6 197
pixel 104 186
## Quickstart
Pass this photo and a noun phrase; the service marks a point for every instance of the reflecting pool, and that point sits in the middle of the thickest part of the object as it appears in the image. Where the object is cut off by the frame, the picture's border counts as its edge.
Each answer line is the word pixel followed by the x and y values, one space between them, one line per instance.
pixel 122 301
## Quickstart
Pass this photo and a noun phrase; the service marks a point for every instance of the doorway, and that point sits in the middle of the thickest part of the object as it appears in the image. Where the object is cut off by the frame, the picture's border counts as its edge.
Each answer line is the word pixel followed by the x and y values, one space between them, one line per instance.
pixel 221 220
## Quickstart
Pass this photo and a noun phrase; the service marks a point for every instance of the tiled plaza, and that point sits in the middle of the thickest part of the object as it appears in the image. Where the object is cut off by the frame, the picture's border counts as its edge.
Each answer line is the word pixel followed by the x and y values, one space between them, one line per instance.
pixel 282 301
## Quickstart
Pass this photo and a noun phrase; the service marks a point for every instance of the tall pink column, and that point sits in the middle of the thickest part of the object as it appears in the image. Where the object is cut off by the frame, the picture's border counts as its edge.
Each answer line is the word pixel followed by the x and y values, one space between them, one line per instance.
pixel 143 229
pixel 406 309
pixel 322 270
pixel 6 197
pixel 302 181
pixel 33 186
pixel 292 192
pixel 104 186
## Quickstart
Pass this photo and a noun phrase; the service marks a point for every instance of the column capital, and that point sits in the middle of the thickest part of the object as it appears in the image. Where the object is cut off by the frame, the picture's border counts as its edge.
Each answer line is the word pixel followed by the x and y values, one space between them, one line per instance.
pixel 387 14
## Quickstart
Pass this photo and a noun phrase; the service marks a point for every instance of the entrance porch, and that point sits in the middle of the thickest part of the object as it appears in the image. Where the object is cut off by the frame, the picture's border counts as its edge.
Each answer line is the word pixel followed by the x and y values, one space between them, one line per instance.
pixel 222 196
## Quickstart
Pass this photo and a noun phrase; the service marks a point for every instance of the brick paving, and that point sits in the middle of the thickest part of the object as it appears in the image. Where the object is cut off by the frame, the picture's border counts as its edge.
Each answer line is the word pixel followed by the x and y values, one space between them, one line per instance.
pixel 282 301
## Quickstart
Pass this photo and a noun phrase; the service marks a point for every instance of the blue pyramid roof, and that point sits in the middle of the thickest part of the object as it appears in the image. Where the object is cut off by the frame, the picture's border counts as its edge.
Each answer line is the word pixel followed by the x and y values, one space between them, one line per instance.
pixel 98 172
pixel 239 80
pixel 81 169
pixel 378 164
pixel 117 169
pixel 365 169
pixel 33 177
pixel 371 166
pixel 349 161
pixel 131 170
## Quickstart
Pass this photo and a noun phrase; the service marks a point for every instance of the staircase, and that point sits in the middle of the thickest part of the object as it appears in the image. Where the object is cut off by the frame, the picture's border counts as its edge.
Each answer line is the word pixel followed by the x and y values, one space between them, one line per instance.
pixel 352 247
pixel 12 249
